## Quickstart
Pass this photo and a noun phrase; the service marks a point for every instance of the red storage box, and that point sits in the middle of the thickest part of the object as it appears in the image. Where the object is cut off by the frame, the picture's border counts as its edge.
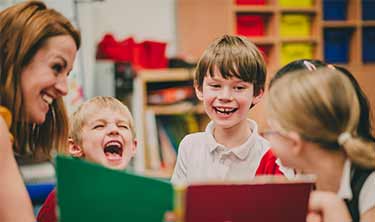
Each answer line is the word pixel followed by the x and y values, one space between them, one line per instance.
pixel 265 50
pixel 250 25
pixel 151 55
pixel 250 2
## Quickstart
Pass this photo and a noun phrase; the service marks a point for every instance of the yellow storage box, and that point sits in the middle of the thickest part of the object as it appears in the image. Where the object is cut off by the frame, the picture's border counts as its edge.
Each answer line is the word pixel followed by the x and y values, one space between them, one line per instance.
pixel 294 51
pixel 296 3
pixel 295 25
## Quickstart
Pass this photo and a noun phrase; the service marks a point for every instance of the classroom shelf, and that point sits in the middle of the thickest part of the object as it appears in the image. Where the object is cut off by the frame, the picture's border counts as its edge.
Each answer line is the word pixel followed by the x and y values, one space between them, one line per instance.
pixel 178 108
pixel 254 9
pixel 151 155
pixel 194 38
pixel 340 24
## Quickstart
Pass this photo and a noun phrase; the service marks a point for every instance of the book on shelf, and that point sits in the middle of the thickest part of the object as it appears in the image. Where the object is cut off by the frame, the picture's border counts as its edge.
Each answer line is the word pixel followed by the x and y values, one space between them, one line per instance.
pixel 163 135
pixel 152 141
pixel 167 151
pixel 170 95
pixel 90 192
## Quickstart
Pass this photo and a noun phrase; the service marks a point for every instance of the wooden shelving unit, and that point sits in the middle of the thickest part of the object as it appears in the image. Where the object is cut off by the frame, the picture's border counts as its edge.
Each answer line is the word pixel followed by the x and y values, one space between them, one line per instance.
pixel 193 39
pixel 140 107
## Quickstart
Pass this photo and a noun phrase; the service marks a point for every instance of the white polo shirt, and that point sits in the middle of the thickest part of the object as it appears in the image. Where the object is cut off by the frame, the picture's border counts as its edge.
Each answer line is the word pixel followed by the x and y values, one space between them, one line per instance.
pixel 366 198
pixel 201 159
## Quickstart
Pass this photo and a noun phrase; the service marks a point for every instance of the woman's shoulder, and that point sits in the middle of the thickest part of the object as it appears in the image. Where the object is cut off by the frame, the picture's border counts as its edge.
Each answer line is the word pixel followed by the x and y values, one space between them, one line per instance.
pixel 5 120
pixel 6 115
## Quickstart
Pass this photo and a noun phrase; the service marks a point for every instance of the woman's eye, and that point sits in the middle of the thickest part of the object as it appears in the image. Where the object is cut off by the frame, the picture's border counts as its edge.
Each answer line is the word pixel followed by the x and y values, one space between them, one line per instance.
pixel 57 68
pixel 239 87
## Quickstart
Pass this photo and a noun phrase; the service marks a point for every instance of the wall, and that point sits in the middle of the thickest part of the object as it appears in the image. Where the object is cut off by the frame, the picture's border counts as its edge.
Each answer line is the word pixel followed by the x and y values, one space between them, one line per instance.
pixel 142 19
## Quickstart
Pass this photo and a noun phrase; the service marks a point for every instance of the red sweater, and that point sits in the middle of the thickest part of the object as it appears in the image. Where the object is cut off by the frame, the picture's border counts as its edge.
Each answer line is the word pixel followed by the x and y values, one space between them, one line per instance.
pixel 47 212
pixel 267 166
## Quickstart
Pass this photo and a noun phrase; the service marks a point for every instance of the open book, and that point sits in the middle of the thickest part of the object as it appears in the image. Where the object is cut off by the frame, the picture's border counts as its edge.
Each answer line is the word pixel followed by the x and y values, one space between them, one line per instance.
pixel 266 199
pixel 89 192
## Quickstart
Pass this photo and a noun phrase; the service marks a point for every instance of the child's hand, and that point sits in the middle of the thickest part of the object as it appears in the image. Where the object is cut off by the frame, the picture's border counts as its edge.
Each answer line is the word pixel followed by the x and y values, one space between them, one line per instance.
pixel 327 207
pixel 170 216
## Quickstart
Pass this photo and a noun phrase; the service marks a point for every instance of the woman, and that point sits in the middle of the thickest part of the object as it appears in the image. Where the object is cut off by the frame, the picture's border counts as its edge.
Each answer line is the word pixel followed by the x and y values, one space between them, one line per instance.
pixel 38 48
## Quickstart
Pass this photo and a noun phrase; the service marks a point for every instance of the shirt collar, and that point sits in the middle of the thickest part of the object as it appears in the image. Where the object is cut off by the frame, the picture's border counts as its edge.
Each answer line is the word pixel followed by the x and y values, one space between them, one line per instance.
pixel 345 191
pixel 241 151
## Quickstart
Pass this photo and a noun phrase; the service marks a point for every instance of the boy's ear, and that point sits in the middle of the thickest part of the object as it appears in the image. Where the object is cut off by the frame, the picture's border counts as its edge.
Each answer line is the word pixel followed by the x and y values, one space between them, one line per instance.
pixel 134 147
pixel 198 92
pixel 74 149
pixel 258 98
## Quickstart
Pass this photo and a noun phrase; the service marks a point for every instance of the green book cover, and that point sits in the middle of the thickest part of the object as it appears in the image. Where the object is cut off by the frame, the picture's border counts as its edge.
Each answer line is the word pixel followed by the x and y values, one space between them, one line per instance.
pixel 90 192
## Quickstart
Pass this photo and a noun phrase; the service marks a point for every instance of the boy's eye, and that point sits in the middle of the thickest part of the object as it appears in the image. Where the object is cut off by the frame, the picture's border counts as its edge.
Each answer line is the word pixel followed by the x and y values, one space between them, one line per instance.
pixel 239 87
pixel 123 126
pixel 98 126
pixel 214 85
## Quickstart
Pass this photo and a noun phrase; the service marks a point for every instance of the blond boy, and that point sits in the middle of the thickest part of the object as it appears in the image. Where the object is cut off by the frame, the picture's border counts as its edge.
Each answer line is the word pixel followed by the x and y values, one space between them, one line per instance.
pixel 101 131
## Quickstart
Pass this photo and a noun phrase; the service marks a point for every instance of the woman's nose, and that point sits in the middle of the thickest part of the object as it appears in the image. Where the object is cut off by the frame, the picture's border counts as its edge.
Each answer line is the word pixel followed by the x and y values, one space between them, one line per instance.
pixel 62 85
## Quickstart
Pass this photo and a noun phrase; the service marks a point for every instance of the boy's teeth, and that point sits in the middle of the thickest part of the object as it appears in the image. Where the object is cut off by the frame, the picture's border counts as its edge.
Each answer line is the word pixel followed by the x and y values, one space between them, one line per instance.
pixel 225 109
pixel 47 99
pixel 114 143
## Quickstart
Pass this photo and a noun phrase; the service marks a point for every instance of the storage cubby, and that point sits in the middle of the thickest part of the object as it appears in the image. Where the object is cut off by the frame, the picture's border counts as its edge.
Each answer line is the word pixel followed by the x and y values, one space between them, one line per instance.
pixel 337 31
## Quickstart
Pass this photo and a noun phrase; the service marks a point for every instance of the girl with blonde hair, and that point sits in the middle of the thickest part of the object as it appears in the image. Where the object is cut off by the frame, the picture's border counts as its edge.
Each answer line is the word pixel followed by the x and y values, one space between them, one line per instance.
pixel 314 116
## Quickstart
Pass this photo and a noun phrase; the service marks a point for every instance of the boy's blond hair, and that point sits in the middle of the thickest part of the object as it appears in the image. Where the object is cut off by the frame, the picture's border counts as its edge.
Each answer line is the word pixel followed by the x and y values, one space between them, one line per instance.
pixel 82 114
pixel 233 56
pixel 330 109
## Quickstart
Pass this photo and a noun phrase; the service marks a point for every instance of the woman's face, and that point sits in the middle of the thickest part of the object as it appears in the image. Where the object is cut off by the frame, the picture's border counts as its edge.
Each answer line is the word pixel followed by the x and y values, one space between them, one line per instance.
pixel 44 79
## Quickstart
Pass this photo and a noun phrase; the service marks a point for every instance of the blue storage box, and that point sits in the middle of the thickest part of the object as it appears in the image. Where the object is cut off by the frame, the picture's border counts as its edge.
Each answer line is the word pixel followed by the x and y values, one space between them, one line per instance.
pixel 38 192
pixel 368 44
pixel 334 9
pixel 368 9
pixel 336 45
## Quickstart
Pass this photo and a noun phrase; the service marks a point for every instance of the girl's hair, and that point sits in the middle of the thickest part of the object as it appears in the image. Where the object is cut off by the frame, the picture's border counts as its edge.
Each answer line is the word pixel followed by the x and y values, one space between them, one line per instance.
pixel 321 105
pixel 24 29
pixel 84 112
pixel 365 126
pixel 233 56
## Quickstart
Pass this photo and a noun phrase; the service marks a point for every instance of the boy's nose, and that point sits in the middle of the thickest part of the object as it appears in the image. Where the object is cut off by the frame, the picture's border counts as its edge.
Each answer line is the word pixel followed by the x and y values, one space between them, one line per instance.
pixel 226 94
pixel 113 130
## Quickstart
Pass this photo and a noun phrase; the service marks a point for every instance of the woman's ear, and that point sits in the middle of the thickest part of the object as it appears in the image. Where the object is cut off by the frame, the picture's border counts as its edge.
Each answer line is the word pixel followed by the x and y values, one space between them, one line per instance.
pixel 74 149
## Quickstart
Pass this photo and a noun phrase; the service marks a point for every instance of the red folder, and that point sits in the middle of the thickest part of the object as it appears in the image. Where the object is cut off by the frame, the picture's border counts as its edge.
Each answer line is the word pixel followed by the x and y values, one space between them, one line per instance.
pixel 272 202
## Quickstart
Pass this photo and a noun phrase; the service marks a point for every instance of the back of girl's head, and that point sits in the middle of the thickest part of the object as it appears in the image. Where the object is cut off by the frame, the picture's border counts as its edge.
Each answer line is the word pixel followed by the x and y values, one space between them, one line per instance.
pixel 233 56
pixel 321 105
pixel 94 105
pixel 308 64
pixel 24 29
pixel 364 128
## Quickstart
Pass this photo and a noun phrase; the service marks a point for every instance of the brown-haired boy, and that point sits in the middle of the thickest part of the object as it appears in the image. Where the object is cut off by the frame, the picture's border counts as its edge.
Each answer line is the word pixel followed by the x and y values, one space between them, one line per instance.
pixel 229 80
pixel 101 131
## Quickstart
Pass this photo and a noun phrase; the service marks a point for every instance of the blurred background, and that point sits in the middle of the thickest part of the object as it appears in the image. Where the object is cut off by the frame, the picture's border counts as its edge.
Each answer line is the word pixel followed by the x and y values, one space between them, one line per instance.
pixel 144 52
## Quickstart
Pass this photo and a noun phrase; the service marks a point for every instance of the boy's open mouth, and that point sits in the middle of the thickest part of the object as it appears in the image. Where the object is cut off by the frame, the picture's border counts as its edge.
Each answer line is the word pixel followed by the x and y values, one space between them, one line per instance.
pixel 113 150
pixel 226 111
